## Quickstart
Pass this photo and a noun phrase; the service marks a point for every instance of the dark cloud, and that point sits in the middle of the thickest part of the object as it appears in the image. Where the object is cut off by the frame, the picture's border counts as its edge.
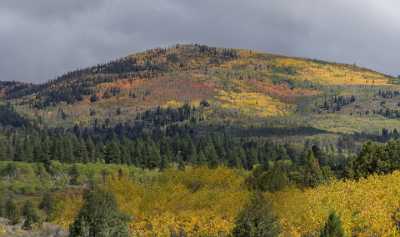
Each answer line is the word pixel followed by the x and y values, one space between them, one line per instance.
pixel 44 38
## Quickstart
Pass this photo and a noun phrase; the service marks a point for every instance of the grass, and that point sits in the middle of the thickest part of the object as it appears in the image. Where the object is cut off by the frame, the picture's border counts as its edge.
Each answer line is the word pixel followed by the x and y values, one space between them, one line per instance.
pixel 349 124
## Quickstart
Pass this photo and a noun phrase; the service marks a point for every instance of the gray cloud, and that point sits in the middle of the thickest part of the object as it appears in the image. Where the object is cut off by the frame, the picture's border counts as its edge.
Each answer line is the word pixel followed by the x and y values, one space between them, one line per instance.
pixel 44 38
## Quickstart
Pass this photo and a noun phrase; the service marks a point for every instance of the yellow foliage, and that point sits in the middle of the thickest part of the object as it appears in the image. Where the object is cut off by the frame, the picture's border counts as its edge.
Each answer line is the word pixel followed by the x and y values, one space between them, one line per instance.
pixel 176 104
pixel 331 74
pixel 252 103
pixel 308 70
pixel 198 201
pixel 366 207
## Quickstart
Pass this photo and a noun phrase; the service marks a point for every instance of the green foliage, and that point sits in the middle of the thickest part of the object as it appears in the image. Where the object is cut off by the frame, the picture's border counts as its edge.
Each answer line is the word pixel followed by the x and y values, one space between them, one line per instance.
pixel 29 212
pixel 280 174
pixel 333 227
pixel 74 174
pixel 256 219
pixel 48 205
pixel 12 212
pixel 374 159
pixel 100 217
pixel 313 175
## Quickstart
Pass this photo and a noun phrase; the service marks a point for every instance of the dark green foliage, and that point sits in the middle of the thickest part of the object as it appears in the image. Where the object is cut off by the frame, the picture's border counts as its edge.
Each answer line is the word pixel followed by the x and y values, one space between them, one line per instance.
pixel 256 219
pixel 273 178
pixel 168 116
pixel 337 102
pixel 374 159
pixel 100 217
pixel 112 153
pixel 48 205
pixel 11 212
pixel 333 227
pixel 312 172
pixel 276 175
pixel 30 214
pixel 2 206
pixel 74 175
pixel 8 117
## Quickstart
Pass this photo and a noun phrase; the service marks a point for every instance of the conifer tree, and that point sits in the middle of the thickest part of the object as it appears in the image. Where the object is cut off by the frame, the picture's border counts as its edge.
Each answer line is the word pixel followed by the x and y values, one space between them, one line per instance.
pixel 30 214
pixel 3 149
pixel 333 227
pixel 112 153
pixel 211 155
pixel 312 172
pixel 100 217
pixel 82 152
pixel 12 212
pixel 48 205
pixel 74 175
pixel 257 219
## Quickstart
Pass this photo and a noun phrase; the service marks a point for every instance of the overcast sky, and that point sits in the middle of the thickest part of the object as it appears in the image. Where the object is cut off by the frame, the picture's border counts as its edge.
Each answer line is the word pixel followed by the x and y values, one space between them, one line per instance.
pixel 40 39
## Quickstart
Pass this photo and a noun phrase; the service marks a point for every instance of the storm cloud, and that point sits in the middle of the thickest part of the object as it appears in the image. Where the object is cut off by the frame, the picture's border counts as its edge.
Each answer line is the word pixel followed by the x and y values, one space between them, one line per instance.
pixel 41 39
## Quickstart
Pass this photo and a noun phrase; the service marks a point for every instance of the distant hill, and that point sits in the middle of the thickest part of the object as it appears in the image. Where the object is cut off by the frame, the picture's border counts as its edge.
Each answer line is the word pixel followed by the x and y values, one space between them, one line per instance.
pixel 223 85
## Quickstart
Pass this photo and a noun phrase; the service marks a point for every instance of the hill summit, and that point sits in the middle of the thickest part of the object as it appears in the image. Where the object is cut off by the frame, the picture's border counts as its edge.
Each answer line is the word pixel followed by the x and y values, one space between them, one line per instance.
pixel 223 84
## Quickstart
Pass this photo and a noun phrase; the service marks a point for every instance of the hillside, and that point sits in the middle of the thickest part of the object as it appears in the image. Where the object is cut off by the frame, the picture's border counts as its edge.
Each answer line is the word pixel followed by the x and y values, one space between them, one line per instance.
pixel 224 85
pixel 204 202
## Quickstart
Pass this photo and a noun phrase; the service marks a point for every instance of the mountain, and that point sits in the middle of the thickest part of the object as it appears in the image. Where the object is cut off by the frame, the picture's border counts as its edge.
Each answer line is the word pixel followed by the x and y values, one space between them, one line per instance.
pixel 224 86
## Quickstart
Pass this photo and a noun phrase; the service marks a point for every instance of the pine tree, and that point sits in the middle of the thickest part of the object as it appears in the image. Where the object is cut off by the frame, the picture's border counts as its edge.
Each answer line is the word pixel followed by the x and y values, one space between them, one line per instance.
pixel 100 217
pixel 19 151
pixel 333 227
pixel 3 149
pixel 68 155
pixel 152 153
pixel 48 205
pixel 82 152
pixel 74 175
pixel 312 172
pixel 112 153
pixel 256 219
pixel 91 148
pixel 2 207
pixel 28 150
pixel 12 212
pixel 211 155
pixel 30 214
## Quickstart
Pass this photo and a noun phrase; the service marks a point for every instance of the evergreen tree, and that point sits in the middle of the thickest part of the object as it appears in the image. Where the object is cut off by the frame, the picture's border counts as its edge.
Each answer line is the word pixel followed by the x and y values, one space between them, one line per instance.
pixel 82 152
pixel 112 153
pixel 19 151
pixel 3 149
pixel 312 172
pixel 152 154
pixel 211 155
pixel 30 214
pixel 100 217
pixel 91 149
pixel 256 219
pixel 12 212
pixel 74 175
pixel 333 227
pixel 2 207
pixel 28 150
pixel 68 155
pixel 48 205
